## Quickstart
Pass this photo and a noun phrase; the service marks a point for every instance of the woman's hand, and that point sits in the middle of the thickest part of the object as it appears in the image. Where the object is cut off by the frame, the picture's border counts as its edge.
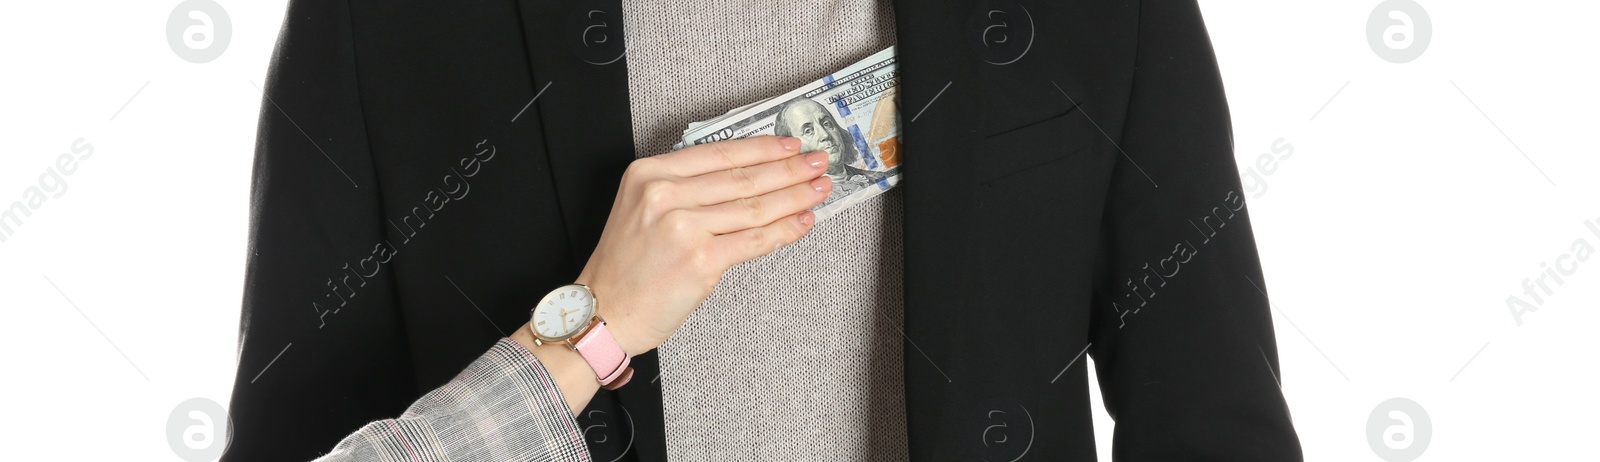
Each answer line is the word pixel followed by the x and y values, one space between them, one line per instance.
pixel 682 219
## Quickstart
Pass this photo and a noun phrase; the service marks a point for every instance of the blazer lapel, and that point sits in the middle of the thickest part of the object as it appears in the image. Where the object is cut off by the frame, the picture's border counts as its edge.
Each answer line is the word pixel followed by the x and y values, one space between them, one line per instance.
pixel 941 108
pixel 941 103
pixel 581 105
pixel 580 80
pixel 942 92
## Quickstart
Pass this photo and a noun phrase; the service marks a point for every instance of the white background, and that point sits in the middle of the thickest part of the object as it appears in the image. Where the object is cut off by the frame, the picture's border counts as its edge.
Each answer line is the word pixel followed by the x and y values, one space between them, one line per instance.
pixel 1412 206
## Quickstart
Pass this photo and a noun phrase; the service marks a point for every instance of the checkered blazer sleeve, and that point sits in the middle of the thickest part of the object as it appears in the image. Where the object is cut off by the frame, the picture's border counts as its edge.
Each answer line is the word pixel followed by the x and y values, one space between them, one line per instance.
pixel 504 406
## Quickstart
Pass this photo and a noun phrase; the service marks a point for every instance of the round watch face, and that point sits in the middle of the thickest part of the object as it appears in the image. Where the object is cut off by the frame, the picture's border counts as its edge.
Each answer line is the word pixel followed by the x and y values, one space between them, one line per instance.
pixel 563 313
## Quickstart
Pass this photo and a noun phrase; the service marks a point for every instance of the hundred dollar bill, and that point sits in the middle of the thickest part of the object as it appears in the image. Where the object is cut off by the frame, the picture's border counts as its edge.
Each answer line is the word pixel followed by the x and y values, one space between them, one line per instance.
pixel 852 114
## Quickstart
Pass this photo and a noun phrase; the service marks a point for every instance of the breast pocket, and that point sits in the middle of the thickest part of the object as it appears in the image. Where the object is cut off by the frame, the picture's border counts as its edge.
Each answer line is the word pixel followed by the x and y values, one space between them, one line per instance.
pixel 1039 197
pixel 1053 140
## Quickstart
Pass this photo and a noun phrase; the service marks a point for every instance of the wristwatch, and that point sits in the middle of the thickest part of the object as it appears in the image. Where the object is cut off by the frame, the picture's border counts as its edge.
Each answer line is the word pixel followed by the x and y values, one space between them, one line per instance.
pixel 568 315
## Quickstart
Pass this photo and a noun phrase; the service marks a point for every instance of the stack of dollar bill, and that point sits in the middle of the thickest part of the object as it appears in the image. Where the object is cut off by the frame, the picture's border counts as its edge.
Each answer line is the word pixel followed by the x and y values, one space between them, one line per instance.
pixel 853 114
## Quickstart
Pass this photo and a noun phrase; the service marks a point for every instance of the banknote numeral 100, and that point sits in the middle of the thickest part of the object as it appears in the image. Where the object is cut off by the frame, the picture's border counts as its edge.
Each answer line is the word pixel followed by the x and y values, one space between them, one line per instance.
pixel 718 135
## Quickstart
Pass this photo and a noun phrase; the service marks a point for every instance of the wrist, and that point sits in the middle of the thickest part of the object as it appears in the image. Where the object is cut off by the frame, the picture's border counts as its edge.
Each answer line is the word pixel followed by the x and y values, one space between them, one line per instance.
pixel 617 321
pixel 626 339
pixel 570 372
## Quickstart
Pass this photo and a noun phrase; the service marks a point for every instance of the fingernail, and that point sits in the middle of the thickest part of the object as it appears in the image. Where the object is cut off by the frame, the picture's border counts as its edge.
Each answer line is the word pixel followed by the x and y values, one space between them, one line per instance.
pixel 822 183
pixel 789 143
pixel 817 159
pixel 806 218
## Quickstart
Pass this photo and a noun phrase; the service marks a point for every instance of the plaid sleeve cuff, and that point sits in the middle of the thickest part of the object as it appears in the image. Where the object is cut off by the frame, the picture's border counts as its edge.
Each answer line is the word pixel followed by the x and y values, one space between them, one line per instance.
pixel 504 406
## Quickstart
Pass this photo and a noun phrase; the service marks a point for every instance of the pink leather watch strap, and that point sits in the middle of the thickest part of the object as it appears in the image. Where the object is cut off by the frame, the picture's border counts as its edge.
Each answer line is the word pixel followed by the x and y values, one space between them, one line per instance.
pixel 605 356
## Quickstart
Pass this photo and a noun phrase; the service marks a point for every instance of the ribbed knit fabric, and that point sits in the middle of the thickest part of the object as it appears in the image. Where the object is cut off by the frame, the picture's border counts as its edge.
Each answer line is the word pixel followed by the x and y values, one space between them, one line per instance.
pixel 796 355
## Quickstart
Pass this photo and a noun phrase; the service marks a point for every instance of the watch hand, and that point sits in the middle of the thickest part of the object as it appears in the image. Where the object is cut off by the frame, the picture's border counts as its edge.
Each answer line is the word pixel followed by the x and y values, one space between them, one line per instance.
pixel 563 316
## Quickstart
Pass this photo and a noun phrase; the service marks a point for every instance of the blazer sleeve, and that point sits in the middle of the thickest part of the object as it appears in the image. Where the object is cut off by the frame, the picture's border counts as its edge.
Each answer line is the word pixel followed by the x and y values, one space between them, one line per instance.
pixel 322 350
pixel 504 406
pixel 1182 331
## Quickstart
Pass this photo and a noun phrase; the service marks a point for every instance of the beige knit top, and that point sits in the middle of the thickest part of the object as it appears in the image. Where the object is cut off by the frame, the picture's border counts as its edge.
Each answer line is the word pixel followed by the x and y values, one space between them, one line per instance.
pixel 796 355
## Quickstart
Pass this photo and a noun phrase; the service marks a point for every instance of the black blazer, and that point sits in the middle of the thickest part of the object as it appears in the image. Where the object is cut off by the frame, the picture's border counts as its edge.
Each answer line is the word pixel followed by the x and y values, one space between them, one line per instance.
pixel 1069 195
